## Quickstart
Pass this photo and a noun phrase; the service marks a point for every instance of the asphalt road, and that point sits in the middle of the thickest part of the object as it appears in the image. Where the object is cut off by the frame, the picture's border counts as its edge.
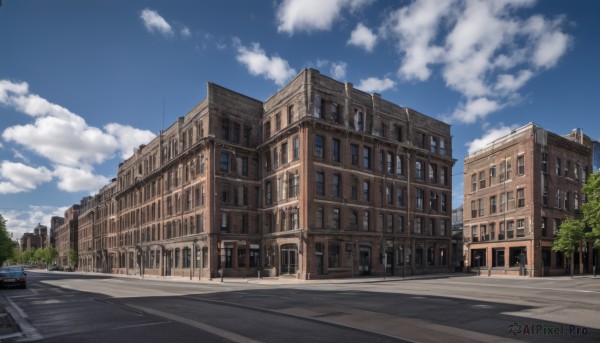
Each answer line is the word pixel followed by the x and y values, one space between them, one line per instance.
pixel 68 307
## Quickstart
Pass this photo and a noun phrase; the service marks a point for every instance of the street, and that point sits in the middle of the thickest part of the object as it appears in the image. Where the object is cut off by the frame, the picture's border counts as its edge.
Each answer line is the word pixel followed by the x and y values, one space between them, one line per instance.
pixel 74 307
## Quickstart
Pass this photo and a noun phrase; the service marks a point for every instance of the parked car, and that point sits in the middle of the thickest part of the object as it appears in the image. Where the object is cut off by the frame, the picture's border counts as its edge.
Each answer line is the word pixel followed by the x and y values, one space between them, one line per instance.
pixel 13 277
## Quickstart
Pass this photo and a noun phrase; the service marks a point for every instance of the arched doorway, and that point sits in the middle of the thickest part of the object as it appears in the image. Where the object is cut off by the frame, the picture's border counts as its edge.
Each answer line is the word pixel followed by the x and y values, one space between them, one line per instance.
pixel 289 259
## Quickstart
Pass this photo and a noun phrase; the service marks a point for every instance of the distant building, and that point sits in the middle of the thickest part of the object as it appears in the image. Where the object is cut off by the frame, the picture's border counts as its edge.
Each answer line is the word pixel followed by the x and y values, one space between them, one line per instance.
pixel 55 223
pixel 596 155
pixel 517 192
pixel 457 238
pixel 37 239
pixel 66 238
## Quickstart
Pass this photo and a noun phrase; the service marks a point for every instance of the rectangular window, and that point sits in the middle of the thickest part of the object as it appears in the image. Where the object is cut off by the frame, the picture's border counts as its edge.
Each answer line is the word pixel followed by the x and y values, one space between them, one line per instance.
pixel 502 171
pixel 501 231
pixel 389 196
pixel 335 113
pixel 246 137
pixel 420 198
pixel 521 197
pixel 399 133
pixel 492 176
pixel 319 217
pixel 444 176
pixel 444 202
pixel 432 173
pixel 236 133
pixel 418 225
pixel 320 183
pixel 421 140
pixel 473 182
pixel 510 229
pixel 400 196
pixel 419 174
pixel 296 148
pixel 508 170
pixel 244 166
pixel 333 250
pixel 366 221
pixel 520 227
pixel 367 157
pixel 557 169
pixel 335 219
pixel 317 109
pixel 492 231
pixel 335 150
pixel 275 158
pixel 443 151
pixel 277 122
pixel 481 208
pixel 225 129
pixel 521 165
pixel 433 201
pixel 544 162
pixel 493 204
pixel 544 227
pixel 268 193
pixel 319 146
pixel 473 209
pixel 433 145
pixel 390 223
pixel 290 114
pixel 267 128
pixel 354 154
pixel 366 190
pixel 336 186
pixel 555 226
pixel 390 163
pixel 567 168
pixel 284 153
pixel 224 165
pixel 399 163
pixel 443 225
pixel 482 179
pixel 401 223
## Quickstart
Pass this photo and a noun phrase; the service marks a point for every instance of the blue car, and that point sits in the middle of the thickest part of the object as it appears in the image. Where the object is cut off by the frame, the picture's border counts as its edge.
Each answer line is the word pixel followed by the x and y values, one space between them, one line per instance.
pixel 13 277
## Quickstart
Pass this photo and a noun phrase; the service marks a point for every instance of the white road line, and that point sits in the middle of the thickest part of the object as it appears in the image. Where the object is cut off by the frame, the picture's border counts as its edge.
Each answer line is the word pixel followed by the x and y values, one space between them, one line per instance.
pixel 28 330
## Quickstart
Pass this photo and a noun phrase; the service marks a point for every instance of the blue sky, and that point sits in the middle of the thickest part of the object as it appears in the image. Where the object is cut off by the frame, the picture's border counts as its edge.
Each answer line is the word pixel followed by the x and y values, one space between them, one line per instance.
pixel 83 82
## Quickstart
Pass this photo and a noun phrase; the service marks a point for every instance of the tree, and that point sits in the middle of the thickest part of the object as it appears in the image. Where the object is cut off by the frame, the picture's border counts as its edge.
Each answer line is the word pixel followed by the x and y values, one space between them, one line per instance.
pixel 6 243
pixel 591 208
pixel 28 256
pixel 73 257
pixel 48 254
pixel 571 236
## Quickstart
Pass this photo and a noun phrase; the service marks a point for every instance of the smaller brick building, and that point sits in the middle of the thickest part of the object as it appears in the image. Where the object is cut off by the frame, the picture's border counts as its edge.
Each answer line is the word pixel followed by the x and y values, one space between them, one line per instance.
pixel 517 192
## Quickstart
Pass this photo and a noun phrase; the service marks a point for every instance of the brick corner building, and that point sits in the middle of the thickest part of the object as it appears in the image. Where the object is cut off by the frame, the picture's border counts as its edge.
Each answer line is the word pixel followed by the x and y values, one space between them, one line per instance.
pixel 321 180
pixel 517 192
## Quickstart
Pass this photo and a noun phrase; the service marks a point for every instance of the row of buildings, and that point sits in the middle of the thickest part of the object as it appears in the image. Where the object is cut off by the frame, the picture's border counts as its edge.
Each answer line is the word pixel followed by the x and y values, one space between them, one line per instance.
pixel 320 181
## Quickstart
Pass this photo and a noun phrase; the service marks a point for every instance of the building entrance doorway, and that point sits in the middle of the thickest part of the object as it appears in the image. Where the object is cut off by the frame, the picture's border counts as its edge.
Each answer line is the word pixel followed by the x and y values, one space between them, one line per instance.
pixel 364 266
pixel 289 259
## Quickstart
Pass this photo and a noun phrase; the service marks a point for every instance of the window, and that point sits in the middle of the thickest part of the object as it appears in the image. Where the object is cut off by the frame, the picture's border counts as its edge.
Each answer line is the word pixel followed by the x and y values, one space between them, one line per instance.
pixel 366 190
pixel 284 153
pixel 492 231
pixel 244 166
pixel 268 161
pixel 492 176
pixel 444 176
pixel 567 168
pixel 335 150
pixel 390 223
pixel 319 146
pixel 267 127
pixel 443 151
pixel 482 179
pixel 335 113
pixel 473 182
pixel 277 122
pixel 336 186
pixel 493 204
pixel 576 200
pixel 557 202
pixel 444 201
pixel 225 129
pixel 544 227
pixel 567 198
pixel 268 193
pixel 290 114
pixel 366 221
pixel 481 207
pixel 399 163
pixel 508 170
pixel 246 136
pixel 241 258
pixel 484 233
pixel 419 170
pixel 521 165
pixel 420 198
pixel 521 197
pixel 389 196
pixel 401 223
pixel 318 107
pixel 555 226
pixel 433 145
pixel 335 219
pixel 418 225
pixel 443 225
pixel 354 154
pixel 432 173
pixel 224 165
pixel 390 163
pixel 333 255
pixel 421 140
pixel 520 227
pixel 576 170
pixel 502 171
pixel 502 231
pixel 319 217
pixel 320 183
pixel 399 133
pixel 510 197
pixel 359 118
pixel 224 222
pixel 473 209
pixel 400 196
pixel 557 170
pixel 433 201
pixel 510 229
pixel 296 148
pixel 544 162
pixel 294 187
pixel 235 138
pixel 367 157
pixel 295 218
pixel 275 158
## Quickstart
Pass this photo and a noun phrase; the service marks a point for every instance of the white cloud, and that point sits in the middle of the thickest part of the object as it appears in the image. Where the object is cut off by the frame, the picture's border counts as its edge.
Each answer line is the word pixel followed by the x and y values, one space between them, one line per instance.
pixel 78 179
pixel 474 109
pixel 154 22
pixel 338 70
pixel 488 137
pixel 128 137
pixel 258 63
pixel 64 139
pixel 17 177
pixel 486 50
pixel 363 37
pixel 313 15
pixel 375 85
pixel 185 32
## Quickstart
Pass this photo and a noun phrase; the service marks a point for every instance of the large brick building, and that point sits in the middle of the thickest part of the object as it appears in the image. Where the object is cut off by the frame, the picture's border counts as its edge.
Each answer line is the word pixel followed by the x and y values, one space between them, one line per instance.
pixel 66 235
pixel 321 180
pixel 517 192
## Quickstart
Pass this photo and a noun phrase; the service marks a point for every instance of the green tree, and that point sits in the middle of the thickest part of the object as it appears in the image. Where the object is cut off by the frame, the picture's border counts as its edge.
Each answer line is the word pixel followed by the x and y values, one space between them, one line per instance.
pixel 28 256
pixel 591 208
pixel 570 236
pixel 6 243
pixel 48 254
pixel 73 258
